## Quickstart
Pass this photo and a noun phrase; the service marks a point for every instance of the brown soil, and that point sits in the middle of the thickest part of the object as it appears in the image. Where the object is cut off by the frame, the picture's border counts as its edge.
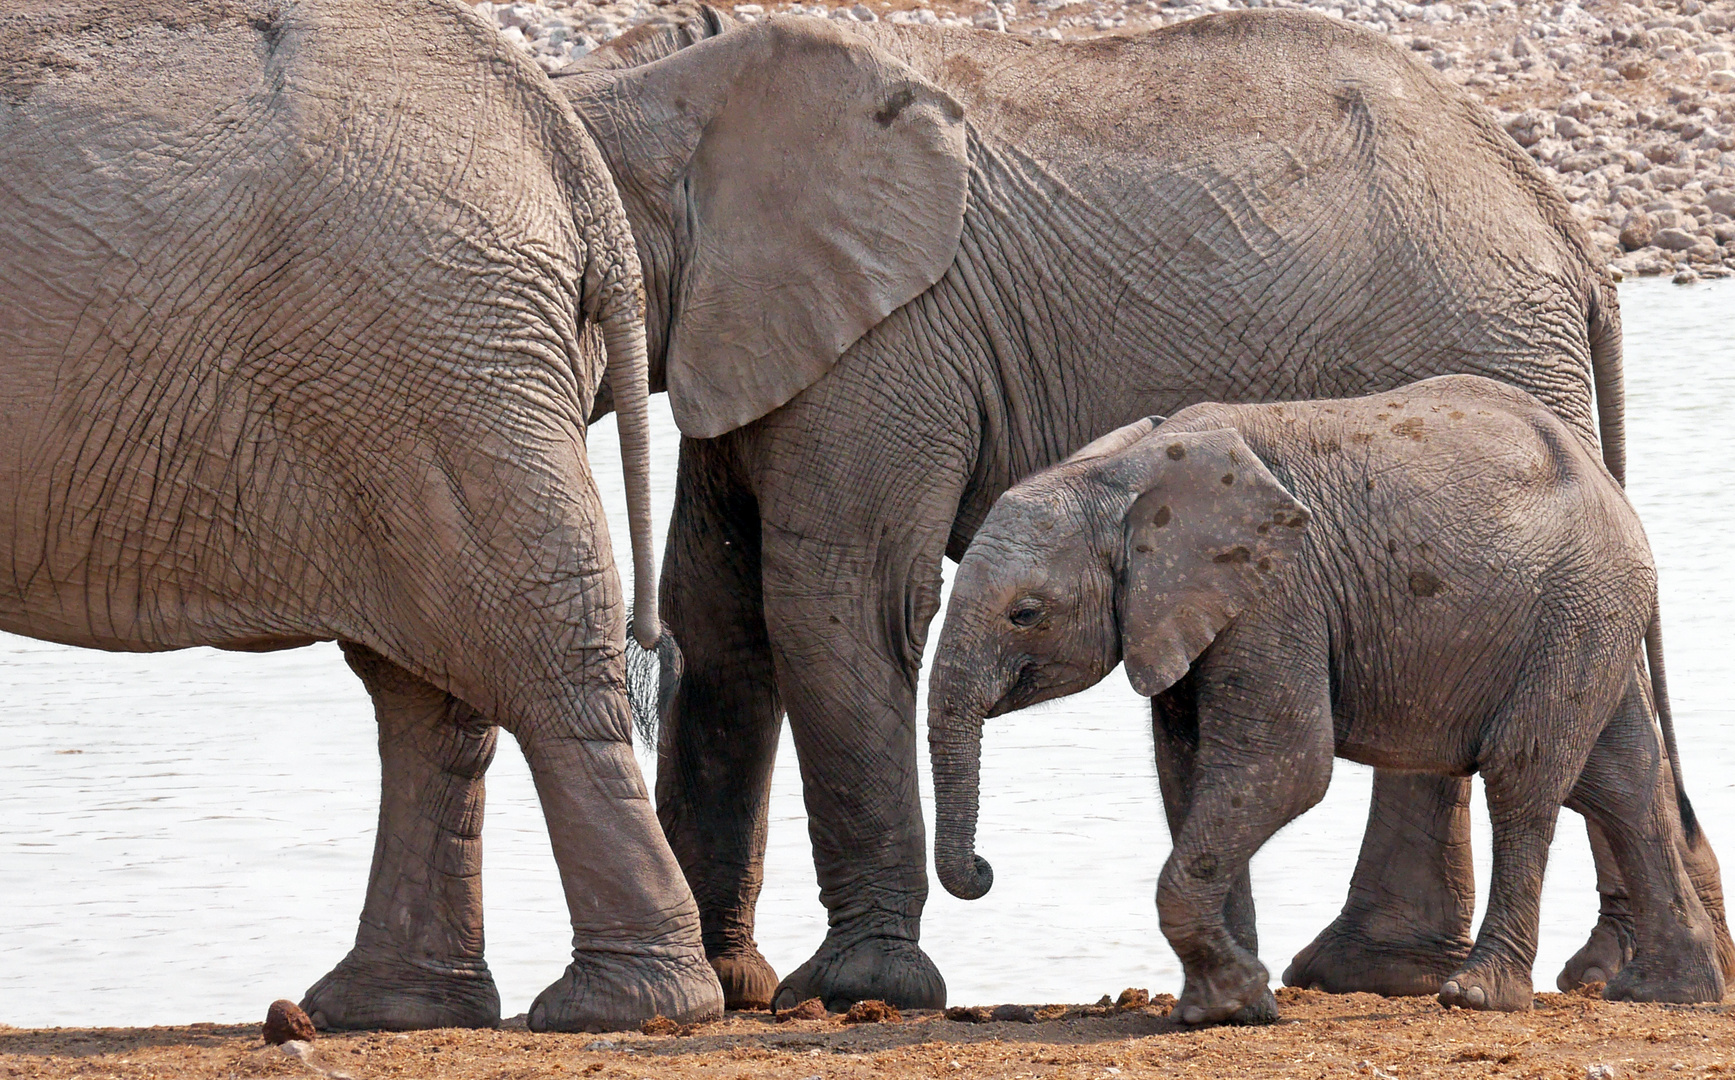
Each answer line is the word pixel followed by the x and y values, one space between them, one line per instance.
pixel 1567 1037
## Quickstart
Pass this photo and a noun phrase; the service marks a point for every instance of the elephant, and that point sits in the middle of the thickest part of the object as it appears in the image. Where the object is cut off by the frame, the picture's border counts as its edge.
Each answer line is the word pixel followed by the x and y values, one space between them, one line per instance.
pixel 890 270
pixel 306 307
pixel 1440 578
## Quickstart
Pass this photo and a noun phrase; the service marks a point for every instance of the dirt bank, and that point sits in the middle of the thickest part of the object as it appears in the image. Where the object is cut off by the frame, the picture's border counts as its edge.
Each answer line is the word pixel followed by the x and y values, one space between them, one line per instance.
pixel 1567 1037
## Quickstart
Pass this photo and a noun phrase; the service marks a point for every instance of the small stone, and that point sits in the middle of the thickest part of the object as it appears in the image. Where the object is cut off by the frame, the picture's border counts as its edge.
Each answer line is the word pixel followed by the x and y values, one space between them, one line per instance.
pixel 872 1011
pixel 1721 202
pixel 1568 128
pixel 1638 231
pixel 811 1009
pixel 1674 239
pixel 1722 80
pixel 1600 1072
pixel 659 1025
pixel 1530 127
pixel 1014 1014
pixel 1133 998
pixel 285 1021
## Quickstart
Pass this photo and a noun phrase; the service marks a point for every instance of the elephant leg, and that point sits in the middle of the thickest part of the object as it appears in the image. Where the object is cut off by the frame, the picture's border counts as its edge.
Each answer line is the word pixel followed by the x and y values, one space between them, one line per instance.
pixel 1627 790
pixel 852 713
pixel 636 947
pixel 1534 748
pixel 1406 923
pixel 1610 945
pixel 719 737
pixel 1175 730
pixel 1262 757
pixel 417 961
pixel 519 613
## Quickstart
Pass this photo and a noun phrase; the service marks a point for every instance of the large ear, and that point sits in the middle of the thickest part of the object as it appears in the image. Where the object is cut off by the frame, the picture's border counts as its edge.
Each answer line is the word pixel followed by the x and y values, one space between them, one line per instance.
pixel 1209 534
pixel 816 183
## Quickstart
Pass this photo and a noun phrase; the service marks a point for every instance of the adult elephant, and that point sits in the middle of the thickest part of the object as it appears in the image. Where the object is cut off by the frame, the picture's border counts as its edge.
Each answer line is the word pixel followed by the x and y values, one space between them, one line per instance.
pixel 892 270
pixel 294 346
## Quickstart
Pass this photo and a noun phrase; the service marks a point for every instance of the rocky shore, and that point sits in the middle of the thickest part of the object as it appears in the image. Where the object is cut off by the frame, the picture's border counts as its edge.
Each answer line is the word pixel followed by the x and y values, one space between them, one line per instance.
pixel 1628 105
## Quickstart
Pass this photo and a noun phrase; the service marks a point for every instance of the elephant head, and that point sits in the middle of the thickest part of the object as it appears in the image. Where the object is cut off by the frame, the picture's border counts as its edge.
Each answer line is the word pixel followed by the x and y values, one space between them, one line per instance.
pixel 1144 545
pixel 789 186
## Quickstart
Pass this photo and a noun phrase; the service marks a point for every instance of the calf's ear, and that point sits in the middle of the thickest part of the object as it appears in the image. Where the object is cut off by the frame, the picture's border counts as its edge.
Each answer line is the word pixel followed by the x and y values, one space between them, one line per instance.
pixel 1211 531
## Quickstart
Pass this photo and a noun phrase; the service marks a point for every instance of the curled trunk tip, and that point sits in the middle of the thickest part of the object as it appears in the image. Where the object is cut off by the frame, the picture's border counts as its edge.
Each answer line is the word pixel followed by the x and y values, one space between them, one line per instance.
pixel 968 878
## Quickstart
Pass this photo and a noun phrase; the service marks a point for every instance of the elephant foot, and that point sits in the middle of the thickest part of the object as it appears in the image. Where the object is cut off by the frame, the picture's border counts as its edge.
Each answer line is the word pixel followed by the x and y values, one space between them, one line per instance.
pixel 371 992
pixel 1602 957
pixel 1488 989
pixel 619 991
pixel 1236 992
pixel 1342 961
pixel 1678 980
pixel 893 970
pixel 747 977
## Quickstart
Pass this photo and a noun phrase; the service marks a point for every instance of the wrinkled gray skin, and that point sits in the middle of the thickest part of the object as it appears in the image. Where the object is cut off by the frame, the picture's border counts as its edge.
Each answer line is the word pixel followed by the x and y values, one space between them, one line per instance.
pixel 891 270
pixel 293 348
pixel 1440 578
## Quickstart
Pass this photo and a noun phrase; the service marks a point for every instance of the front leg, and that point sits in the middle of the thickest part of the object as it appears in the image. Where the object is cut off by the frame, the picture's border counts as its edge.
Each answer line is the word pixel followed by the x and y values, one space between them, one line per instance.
pixel 1263 756
pixel 852 712
pixel 417 961
pixel 719 738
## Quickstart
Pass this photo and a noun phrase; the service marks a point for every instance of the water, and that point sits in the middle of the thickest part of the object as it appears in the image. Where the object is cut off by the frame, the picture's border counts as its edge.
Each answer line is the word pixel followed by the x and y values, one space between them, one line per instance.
pixel 186 837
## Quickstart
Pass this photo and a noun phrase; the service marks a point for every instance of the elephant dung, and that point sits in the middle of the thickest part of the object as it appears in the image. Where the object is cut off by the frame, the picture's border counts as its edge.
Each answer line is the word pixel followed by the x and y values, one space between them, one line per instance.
pixel 284 1021
pixel 811 1009
pixel 872 1012
pixel 1133 998
pixel 660 1025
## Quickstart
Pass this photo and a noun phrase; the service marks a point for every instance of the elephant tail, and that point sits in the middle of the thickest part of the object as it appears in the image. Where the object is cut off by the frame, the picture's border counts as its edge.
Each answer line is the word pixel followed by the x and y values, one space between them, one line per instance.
pixel 653 676
pixel 1609 377
pixel 1666 720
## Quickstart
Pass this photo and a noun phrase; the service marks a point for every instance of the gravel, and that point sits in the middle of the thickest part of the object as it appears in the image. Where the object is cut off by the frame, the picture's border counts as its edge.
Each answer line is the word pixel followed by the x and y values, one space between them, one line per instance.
pixel 1628 107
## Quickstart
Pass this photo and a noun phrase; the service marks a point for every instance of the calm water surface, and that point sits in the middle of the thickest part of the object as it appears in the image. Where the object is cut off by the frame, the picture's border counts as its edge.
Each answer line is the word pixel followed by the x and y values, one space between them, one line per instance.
pixel 186 837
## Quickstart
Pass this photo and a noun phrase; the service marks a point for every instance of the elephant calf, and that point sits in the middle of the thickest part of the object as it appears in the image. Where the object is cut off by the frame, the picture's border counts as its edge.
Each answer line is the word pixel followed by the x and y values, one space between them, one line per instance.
pixel 1440 579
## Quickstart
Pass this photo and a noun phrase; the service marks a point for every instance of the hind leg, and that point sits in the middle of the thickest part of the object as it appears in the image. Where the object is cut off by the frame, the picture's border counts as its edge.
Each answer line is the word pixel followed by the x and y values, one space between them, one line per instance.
pixel 1627 790
pixel 417 961
pixel 1534 747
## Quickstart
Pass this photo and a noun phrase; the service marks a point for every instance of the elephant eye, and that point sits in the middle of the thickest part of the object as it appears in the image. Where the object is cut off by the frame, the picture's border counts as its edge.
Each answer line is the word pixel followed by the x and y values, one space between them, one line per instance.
pixel 1027 613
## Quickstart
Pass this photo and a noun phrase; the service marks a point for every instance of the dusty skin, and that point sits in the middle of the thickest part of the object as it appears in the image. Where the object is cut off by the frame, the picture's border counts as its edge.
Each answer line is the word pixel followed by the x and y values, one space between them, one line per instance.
pixel 1321 1035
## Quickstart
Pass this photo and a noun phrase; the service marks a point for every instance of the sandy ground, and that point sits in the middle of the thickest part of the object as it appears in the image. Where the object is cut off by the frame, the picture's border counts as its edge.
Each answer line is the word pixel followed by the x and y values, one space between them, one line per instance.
pixel 1567 1037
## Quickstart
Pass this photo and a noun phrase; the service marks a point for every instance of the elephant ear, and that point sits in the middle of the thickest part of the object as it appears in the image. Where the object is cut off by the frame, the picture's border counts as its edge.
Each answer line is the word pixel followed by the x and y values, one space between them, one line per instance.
pixel 817 184
pixel 1209 534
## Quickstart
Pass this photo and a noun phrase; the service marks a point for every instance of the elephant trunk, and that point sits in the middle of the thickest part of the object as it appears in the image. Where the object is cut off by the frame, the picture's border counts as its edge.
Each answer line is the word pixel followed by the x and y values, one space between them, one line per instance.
pixel 623 332
pixel 955 745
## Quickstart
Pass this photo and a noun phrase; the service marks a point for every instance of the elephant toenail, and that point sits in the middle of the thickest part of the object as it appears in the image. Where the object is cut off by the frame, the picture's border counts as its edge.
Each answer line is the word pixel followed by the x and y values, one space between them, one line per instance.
pixel 1450 989
pixel 1193 1014
pixel 1594 974
pixel 1476 996
pixel 318 1019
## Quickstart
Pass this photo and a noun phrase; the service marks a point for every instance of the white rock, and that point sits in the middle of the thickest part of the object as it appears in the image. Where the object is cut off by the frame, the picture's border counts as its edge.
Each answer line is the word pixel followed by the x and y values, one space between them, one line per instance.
pixel 863 13
pixel 1722 80
pixel 515 36
pixel 991 19
pixel 749 9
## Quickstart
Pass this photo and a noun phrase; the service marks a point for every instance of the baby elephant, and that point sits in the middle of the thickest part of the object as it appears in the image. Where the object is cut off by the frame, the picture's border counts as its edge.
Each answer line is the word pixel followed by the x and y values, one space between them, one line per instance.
pixel 1439 579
